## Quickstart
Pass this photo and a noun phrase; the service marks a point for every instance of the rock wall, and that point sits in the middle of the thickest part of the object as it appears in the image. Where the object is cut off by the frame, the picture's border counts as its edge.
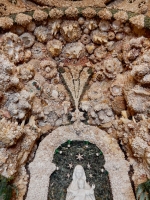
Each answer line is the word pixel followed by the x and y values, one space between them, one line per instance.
pixel 60 66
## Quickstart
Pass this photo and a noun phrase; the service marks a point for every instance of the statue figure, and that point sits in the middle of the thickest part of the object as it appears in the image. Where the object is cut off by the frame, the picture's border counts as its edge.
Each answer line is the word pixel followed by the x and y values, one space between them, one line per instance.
pixel 79 189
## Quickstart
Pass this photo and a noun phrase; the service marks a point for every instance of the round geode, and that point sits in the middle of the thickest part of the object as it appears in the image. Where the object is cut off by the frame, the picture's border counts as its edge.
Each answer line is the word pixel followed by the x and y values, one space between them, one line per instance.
pixel 70 30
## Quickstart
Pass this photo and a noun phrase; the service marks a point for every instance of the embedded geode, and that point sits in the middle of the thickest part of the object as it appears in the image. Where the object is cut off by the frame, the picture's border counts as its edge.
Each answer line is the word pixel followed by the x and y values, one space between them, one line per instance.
pixel 73 50
pixel 19 104
pixel 42 34
pixel 28 39
pixel 99 37
pixel 104 113
pixel 54 26
pixel 70 30
pixel 7 79
pixel 48 68
pixel 12 46
pixel 54 47
pixel 109 67
pixel 138 100
pixel 39 51
pixel 10 132
pixel 100 53
pixel 141 73
pixel 132 48
pixel 112 67
pixel 26 71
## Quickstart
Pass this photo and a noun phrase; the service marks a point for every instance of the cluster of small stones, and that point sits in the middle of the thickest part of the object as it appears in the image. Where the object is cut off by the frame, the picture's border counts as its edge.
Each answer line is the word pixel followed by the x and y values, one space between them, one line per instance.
pixel 134 137
pixel 33 97
pixel 138 19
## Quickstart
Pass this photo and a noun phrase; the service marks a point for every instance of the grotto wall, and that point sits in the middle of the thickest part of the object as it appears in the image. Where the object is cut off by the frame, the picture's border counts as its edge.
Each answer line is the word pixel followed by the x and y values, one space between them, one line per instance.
pixel 74 72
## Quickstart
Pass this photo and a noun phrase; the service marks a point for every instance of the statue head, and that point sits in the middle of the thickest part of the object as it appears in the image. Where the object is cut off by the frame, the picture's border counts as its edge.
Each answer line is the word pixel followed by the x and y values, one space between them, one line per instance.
pixel 79 173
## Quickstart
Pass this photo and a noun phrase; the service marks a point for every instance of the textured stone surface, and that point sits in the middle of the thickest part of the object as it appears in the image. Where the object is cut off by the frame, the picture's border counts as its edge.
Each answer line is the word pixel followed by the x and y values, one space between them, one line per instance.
pixel 64 65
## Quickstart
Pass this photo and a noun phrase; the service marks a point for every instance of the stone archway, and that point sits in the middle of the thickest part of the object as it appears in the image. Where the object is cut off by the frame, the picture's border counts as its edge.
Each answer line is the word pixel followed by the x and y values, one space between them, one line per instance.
pixel 42 167
pixel 67 157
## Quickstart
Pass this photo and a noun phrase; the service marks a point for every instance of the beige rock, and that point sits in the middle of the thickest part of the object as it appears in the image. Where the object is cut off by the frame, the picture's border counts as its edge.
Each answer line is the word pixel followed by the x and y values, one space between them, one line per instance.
pixel 71 12
pixel 56 13
pixel 121 15
pixel 105 14
pixel 70 30
pixel 74 50
pixel 89 12
pixel 6 22
pixel 23 19
pixel 54 47
pixel 9 133
pixel 137 20
pixel 40 15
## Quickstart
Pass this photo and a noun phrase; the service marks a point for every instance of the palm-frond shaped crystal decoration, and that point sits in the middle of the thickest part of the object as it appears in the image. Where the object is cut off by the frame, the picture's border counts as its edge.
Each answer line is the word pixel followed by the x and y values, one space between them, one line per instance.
pixel 76 75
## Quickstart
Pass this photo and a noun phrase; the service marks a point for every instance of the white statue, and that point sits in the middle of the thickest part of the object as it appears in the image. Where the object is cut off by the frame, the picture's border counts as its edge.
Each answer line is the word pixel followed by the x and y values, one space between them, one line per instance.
pixel 79 189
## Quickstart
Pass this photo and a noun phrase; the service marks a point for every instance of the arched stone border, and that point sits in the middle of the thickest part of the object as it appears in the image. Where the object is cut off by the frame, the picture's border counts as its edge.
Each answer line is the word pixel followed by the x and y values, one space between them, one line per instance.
pixel 42 167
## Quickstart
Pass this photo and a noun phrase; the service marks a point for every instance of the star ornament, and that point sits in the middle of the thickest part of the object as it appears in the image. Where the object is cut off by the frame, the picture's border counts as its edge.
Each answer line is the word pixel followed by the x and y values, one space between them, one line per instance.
pixel 68 175
pixel 79 157
pixel 77 115
pixel 88 166
pixel 90 175
pixel 70 165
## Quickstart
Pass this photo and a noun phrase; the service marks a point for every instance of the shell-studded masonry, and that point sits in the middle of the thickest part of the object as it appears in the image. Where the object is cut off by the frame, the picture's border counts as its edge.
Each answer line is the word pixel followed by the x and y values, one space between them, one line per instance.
pixel 65 65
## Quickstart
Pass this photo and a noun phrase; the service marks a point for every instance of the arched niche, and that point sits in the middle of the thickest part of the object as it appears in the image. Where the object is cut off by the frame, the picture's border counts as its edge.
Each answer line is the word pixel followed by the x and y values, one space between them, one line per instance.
pixel 91 158
pixel 42 167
